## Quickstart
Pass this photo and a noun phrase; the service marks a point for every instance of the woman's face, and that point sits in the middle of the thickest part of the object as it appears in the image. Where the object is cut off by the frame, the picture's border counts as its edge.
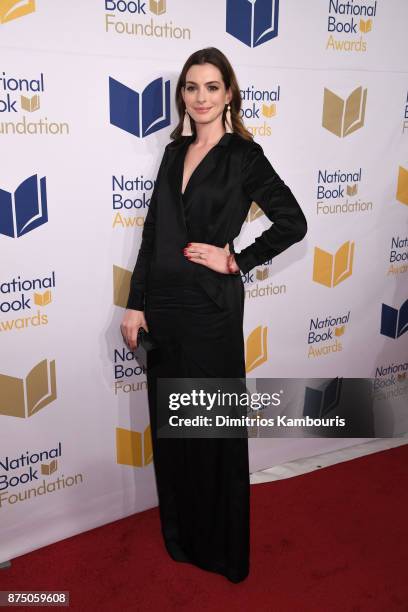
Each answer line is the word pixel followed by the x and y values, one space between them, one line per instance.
pixel 205 95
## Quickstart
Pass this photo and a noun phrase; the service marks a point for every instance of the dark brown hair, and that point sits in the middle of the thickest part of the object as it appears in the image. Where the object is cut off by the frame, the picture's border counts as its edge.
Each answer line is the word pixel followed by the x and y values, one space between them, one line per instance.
pixel 214 56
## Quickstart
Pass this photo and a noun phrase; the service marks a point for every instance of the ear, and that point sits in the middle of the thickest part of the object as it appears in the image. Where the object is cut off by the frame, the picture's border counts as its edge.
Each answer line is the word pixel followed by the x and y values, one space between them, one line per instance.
pixel 228 96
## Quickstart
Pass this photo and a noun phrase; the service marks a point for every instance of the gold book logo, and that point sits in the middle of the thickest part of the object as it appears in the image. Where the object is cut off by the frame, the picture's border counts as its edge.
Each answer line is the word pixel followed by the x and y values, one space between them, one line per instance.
pixel 30 104
pixel 157 7
pixel 402 185
pixel 49 468
pixel 269 110
pixel 339 331
pixel 330 270
pixel 13 9
pixel 121 286
pixel 256 348
pixel 351 190
pixel 254 212
pixel 133 447
pixel 261 274
pixel 402 376
pixel 366 26
pixel 42 299
pixel 21 397
pixel 343 117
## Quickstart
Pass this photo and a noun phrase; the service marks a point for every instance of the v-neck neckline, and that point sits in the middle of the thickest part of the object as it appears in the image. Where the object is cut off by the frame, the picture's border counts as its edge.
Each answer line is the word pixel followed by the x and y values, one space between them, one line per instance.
pixel 198 165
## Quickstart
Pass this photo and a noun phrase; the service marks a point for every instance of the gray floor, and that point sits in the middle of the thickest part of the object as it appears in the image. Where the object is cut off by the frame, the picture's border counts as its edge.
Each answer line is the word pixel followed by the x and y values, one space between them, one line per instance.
pixel 308 464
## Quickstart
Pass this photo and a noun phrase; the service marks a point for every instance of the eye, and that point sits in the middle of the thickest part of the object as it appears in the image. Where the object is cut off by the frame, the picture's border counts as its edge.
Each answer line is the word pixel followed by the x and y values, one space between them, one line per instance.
pixel 189 87
pixel 213 88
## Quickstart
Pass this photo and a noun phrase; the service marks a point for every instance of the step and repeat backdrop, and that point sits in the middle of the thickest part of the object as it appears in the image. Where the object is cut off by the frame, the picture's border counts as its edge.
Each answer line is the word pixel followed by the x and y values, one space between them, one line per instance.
pixel 324 89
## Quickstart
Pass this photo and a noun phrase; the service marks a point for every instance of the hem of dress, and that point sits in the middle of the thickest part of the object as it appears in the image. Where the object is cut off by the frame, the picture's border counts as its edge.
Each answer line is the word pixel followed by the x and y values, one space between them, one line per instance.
pixel 178 555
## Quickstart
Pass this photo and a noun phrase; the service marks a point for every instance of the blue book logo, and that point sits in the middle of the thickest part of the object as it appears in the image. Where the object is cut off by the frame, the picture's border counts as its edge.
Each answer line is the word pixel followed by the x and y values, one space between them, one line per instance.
pixel 394 322
pixel 319 402
pixel 253 22
pixel 24 210
pixel 140 114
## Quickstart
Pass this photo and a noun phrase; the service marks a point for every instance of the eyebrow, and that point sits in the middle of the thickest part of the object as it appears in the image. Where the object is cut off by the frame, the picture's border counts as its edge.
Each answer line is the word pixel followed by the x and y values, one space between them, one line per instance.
pixel 208 83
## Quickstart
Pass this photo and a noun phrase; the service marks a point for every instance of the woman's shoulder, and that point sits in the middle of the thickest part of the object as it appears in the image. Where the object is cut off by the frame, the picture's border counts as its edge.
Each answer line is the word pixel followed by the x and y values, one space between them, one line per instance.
pixel 246 149
pixel 245 144
pixel 176 142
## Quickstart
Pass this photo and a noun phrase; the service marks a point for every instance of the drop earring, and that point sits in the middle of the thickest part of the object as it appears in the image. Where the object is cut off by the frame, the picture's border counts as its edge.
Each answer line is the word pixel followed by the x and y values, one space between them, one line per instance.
pixel 186 125
pixel 228 122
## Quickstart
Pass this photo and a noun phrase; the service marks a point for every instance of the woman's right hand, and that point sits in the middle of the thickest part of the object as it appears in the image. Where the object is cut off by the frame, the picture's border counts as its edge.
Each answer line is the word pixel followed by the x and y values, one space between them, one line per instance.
pixel 131 322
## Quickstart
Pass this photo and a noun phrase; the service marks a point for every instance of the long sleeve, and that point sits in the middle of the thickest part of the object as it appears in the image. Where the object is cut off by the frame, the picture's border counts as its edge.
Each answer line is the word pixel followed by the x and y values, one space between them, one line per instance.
pixel 141 269
pixel 263 185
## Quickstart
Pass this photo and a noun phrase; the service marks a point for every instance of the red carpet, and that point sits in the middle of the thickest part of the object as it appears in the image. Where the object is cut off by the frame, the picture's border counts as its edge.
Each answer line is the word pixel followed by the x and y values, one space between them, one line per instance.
pixel 331 540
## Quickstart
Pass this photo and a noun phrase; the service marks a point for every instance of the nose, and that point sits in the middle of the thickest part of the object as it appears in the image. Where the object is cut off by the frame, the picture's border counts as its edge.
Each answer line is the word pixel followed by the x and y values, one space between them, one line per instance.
pixel 201 95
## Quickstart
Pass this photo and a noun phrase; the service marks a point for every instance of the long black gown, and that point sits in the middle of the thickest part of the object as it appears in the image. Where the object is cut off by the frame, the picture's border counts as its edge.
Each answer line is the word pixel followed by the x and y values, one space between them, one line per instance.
pixel 196 315
pixel 202 483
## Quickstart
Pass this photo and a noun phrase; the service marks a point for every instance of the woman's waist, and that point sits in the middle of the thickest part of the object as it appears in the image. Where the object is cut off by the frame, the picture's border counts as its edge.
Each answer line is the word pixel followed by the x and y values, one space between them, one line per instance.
pixel 205 286
pixel 177 296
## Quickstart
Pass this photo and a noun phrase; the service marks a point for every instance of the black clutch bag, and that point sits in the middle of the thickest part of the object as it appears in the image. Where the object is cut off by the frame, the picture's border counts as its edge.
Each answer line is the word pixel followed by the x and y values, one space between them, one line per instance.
pixel 145 340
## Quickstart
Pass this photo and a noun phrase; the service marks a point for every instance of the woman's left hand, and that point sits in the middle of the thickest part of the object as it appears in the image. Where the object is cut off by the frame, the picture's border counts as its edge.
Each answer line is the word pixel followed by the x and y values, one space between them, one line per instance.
pixel 216 258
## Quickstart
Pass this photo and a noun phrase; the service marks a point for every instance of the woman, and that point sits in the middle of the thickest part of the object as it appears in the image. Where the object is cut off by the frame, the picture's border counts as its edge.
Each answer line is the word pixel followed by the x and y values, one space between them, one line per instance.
pixel 187 291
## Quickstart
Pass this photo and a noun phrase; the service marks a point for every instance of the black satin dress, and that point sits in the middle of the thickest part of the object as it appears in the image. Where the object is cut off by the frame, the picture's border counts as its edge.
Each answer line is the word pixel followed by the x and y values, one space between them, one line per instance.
pixel 202 483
